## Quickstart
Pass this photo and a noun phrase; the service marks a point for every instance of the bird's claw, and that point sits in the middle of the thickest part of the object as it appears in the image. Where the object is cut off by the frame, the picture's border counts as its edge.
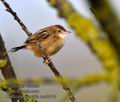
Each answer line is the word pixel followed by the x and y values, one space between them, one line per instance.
pixel 46 61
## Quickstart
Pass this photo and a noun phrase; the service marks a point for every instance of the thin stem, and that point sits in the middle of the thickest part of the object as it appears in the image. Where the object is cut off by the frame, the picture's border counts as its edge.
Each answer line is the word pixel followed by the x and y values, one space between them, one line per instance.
pixel 16 17
pixel 60 78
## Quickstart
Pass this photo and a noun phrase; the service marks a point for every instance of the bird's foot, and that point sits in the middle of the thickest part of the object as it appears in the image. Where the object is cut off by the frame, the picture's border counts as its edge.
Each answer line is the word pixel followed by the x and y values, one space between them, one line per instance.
pixel 46 60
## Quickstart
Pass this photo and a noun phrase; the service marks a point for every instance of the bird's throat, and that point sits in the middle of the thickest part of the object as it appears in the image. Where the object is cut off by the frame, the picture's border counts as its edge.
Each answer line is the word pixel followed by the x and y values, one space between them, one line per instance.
pixel 62 35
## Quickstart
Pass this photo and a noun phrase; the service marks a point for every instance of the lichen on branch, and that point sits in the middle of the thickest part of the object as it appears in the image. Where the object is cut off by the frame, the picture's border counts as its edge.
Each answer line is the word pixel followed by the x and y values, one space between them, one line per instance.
pixel 3 63
pixel 93 36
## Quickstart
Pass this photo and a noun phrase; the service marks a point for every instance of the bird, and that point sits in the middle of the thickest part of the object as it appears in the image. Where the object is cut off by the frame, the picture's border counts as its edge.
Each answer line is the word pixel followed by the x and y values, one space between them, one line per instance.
pixel 45 42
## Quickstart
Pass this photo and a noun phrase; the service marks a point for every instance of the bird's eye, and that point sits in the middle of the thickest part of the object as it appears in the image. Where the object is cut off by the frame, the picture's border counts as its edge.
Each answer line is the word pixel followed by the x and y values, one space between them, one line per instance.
pixel 59 31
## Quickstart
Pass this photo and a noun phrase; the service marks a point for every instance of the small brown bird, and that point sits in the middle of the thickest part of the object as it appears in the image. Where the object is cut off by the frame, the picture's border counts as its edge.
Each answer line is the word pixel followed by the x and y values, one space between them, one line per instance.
pixel 46 41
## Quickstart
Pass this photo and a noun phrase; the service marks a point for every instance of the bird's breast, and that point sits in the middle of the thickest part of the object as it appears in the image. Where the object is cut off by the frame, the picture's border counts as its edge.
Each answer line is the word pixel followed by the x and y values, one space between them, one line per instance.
pixel 49 46
pixel 53 45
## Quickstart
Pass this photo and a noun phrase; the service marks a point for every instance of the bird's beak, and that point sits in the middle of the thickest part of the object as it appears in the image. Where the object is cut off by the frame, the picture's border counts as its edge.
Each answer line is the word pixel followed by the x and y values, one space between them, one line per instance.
pixel 62 35
pixel 68 31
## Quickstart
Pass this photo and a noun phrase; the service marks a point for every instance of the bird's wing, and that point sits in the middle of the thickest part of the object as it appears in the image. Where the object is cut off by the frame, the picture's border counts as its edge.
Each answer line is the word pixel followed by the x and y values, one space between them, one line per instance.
pixel 42 35
pixel 32 38
pixel 38 36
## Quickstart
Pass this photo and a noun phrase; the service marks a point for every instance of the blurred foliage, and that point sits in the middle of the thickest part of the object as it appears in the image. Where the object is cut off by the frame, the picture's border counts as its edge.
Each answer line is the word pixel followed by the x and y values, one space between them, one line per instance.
pixel 4 85
pixel 8 72
pixel 101 45
pixel 84 81
pixel 10 87
pixel 108 20
pixel 3 63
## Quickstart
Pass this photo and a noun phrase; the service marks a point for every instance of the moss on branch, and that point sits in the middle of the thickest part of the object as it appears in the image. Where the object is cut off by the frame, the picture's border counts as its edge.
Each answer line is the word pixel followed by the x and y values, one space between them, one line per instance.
pixel 108 20
pixel 3 63
pixel 99 44
pixel 87 31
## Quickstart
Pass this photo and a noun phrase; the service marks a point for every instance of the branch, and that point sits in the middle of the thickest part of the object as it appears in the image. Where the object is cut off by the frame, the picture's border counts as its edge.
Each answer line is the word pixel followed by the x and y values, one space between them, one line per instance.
pixel 50 64
pixel 61 80
pixel 9 73
pixel 89 80
pixel 109 23
pixel 75 83
pixel 4 87
pixel 80 82
pixel 87 31
pixel 108 20
pixel 16 17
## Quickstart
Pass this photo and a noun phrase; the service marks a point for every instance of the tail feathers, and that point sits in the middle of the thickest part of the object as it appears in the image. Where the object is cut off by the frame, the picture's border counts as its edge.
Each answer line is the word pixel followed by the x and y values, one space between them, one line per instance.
pixel 17 48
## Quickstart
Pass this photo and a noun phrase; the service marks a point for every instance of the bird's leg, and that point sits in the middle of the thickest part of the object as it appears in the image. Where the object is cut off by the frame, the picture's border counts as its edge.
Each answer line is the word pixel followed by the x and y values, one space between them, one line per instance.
pixel 45 56
pixel 46 60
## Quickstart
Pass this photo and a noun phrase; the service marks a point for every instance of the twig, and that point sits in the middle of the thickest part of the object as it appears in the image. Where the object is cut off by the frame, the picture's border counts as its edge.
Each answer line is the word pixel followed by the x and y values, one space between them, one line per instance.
pixel 16 17
pixel 50 64
pixel 60 78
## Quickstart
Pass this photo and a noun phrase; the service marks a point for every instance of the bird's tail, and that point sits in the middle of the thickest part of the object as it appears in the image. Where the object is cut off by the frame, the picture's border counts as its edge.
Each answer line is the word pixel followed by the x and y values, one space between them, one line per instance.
pixel 17 48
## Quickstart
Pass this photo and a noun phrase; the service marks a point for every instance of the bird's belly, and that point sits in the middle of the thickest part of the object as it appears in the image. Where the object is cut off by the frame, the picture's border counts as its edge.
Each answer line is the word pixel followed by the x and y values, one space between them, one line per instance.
pixel 35 49
pixel 54 47
pixel 47 48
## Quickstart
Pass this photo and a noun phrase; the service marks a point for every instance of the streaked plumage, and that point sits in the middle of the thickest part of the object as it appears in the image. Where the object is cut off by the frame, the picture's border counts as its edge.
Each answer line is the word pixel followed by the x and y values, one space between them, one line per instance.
pixel 46 41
